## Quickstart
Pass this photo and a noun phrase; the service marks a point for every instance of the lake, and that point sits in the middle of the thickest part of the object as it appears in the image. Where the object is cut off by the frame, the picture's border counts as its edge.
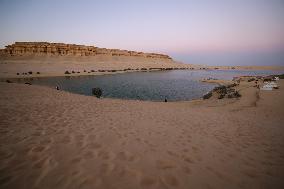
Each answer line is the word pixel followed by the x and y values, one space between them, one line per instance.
pixel 175 85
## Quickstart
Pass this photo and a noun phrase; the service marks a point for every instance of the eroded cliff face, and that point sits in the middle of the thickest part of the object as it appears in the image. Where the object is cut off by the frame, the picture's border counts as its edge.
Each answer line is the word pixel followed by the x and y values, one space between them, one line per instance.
pixel 61 49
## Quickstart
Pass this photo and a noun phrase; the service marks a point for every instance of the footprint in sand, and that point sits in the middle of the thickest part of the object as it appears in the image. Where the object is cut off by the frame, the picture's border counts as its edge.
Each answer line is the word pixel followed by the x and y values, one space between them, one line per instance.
pixel 38 149
pixel 195 149
pixel 188 160
pixel 187 170
pixel 170 180
pixel 93 145
pixel 107 168
pixel 76 160
pixel 66 139
pixel 164 164
pixel 172 153
pixel 126 156
pixel 250 173
pixel 88 155
pixel 147 181
pixel 105 155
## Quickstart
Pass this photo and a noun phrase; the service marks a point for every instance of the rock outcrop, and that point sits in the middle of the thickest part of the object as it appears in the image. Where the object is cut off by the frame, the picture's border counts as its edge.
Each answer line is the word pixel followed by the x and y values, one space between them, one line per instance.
pixel 61 49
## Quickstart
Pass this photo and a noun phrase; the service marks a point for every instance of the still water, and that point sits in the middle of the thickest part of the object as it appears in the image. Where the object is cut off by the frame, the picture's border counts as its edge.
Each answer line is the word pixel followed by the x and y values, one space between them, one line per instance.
pixel 174 85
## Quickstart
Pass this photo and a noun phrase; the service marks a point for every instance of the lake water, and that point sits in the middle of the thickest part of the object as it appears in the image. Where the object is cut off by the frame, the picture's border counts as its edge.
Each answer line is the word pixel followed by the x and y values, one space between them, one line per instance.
pixel 174 85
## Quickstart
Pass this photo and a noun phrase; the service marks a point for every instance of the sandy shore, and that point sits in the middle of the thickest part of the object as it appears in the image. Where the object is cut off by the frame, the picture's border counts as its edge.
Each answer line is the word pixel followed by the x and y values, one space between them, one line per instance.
pixel 57 65
pixel 55 139
pixel 50 66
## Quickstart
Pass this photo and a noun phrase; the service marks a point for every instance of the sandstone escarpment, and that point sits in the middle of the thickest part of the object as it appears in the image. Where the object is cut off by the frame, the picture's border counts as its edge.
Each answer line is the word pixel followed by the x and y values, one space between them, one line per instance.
pixel 61 49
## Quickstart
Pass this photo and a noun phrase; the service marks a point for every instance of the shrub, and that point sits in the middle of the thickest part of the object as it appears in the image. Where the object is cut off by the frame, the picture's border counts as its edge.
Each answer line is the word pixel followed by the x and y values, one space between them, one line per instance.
pixel 221 96
pixel 97 92
pixel 92 70
pixel 237 94
pixel 8 81
pixel 18 73
pixel 37 72
pixel 280 76
pixel 67 72
pixel 30 72
pixel 251 79
pixel 207 95
pixel 85 71
pixel 73 72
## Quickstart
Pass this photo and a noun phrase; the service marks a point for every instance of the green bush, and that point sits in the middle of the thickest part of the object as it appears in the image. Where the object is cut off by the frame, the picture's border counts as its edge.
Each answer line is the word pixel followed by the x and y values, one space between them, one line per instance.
pixel 97 92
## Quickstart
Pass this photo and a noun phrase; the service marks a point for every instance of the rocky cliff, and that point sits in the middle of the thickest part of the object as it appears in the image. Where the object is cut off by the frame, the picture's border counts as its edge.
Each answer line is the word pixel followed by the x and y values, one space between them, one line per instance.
pixel 61 49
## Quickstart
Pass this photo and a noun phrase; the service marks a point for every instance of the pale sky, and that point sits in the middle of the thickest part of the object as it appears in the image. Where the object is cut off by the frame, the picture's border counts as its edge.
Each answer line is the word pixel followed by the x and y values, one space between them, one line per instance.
pixel 213 32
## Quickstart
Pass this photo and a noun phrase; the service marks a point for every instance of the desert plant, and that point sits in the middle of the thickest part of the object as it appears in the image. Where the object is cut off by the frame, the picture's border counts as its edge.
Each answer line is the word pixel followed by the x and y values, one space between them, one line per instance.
pixel 251 79
pixel 30 72
pixel 37 72
pixel 97 92
pixel 18 73
pixel 237 94
pixel 73 72
pixel 207 95
pixel 67 72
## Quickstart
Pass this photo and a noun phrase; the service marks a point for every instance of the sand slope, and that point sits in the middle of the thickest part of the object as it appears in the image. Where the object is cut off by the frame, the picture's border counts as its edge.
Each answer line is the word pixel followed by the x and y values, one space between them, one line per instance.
pixel 55 139
pixel 57 65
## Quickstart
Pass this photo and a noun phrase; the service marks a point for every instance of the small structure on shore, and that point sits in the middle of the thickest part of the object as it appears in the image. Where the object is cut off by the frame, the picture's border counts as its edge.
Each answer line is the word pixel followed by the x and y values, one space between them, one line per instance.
pixel 269 86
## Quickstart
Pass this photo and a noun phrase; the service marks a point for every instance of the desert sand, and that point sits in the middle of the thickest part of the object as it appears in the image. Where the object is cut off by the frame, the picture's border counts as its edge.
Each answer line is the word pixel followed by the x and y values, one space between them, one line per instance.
pixel 55 139
pixel 49 66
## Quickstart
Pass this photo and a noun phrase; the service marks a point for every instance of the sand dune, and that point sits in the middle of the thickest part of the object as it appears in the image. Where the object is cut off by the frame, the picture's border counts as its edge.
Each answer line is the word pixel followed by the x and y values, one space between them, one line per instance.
pixel 55 139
